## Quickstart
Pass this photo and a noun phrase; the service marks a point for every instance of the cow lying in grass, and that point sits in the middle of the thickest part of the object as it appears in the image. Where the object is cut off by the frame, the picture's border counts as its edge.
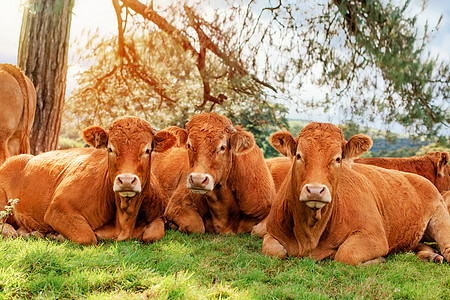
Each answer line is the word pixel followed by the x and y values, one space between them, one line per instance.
pixel 358 214
pixel 217 180
pixel 88 193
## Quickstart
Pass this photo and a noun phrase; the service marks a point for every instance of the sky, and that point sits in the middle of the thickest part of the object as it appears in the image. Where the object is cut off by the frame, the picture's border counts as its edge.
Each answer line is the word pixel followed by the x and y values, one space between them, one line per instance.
pixel 99 14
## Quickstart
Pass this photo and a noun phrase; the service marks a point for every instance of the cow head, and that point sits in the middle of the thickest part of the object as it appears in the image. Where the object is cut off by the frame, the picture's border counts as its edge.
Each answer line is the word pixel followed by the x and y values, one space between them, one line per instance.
pixel 211 141
pixel 440 161
pixel 129 143
pixel 317 154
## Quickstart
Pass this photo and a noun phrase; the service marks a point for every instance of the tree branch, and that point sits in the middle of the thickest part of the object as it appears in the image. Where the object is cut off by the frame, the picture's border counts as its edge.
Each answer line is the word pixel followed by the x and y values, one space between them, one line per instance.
pixel 205 43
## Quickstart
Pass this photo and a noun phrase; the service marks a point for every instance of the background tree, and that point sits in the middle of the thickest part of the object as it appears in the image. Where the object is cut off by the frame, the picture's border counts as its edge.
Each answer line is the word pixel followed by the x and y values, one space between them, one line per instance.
pixel 99 99
pixel 43 48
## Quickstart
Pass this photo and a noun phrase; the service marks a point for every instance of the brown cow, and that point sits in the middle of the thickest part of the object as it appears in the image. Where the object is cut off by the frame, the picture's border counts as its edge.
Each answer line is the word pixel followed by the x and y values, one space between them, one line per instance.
pixel 327 209
pixel 88 193
pixel 18 104
pixel 218 182
pixel 433 166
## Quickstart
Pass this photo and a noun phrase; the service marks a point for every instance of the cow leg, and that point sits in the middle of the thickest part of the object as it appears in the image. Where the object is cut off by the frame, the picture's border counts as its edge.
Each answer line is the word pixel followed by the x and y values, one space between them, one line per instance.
pixel 427 253
pixel 151 232
pixel 273 247
pixel 70 224
pixel 107 232
pixel 439 230
pixel 362 247
pixel 260 229
pixel 186 218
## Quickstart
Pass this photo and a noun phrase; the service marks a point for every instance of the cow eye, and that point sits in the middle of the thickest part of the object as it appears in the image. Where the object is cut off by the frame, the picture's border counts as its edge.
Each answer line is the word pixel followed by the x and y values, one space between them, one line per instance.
pixel 222 148
pixel 147 151
pixel 298 156
pixel 338 159
pixel 110 150
pixel 188 146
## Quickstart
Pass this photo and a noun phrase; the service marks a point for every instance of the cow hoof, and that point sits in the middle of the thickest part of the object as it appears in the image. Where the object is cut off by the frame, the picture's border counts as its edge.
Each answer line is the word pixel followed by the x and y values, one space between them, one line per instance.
pixel 375 261
pixel 8 231
pixel 171 225
pixel 56 236
pixel 438 259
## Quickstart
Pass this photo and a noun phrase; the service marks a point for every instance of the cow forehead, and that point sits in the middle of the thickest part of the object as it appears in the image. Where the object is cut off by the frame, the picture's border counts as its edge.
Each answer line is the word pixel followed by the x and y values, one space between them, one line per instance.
pixel 210 137
pixel 320 138
pixel 208 127
pixel 209 122
pixel 130 131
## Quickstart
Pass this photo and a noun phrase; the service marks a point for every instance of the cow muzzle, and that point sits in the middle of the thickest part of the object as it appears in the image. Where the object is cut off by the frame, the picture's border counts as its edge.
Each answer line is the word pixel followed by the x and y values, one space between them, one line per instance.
pixel 127 185
pixel 200 183
pixel 315 195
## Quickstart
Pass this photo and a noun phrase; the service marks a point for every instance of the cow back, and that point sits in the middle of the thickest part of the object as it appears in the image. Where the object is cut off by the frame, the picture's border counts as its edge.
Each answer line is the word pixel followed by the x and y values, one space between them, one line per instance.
pixel 77 175
pixel 170 169
pixel 433 166
pixel 18 102
pixel 252 184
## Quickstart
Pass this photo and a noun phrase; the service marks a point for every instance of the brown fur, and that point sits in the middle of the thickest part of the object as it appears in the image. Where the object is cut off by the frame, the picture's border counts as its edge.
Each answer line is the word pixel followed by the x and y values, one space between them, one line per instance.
pixel 433 166
pixel 71 191
pixel 243 189
pixel 18 103
pixel 372 211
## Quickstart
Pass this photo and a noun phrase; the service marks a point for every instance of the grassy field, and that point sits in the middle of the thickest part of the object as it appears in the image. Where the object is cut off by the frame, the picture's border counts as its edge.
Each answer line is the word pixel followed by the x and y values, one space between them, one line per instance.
pixel 202 267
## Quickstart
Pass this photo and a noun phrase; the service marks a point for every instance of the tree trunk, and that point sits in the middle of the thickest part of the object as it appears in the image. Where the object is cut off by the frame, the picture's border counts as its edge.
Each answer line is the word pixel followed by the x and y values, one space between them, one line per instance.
pixel 43 52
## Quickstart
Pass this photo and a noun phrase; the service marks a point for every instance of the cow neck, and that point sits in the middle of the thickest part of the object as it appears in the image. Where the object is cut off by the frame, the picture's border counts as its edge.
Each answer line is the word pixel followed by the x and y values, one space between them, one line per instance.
pixel 127 210
pixel 223 208
pixel 308 224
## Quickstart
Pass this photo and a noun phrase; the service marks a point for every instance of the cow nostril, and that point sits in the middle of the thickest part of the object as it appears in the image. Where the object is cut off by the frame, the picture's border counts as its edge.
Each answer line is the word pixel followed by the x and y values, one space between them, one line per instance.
pixel 120 180
pixel 307 190
pixel 205 181
pixel 322 190
pixel 133 181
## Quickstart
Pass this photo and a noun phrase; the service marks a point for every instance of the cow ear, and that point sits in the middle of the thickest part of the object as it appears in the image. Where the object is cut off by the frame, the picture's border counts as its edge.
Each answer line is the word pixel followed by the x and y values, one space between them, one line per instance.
pixel 180 135
pixel 96 136
pixel 356 146
pixel 241 141
pixel 163 141
pixel 284 143
pixel 443 161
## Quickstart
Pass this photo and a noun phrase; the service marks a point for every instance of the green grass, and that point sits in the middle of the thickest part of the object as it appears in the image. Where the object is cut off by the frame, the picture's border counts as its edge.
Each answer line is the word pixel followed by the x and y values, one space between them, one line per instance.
pixel 202 267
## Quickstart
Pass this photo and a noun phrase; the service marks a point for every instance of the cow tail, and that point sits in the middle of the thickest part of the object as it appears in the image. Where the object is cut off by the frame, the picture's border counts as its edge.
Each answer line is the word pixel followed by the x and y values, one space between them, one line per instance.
pixel 20 78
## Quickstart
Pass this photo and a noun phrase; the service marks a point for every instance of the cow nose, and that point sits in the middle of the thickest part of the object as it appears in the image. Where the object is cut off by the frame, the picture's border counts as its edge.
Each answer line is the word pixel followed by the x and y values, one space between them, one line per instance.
pixel 127 182
pixel 314 190
pixel 199 181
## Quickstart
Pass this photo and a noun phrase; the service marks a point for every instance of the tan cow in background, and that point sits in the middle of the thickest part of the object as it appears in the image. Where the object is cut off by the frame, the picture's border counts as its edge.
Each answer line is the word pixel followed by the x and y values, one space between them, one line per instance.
pixel 354 214
pixel 218 181
pixel 89 193
pixel 17 108
pixel 433 166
